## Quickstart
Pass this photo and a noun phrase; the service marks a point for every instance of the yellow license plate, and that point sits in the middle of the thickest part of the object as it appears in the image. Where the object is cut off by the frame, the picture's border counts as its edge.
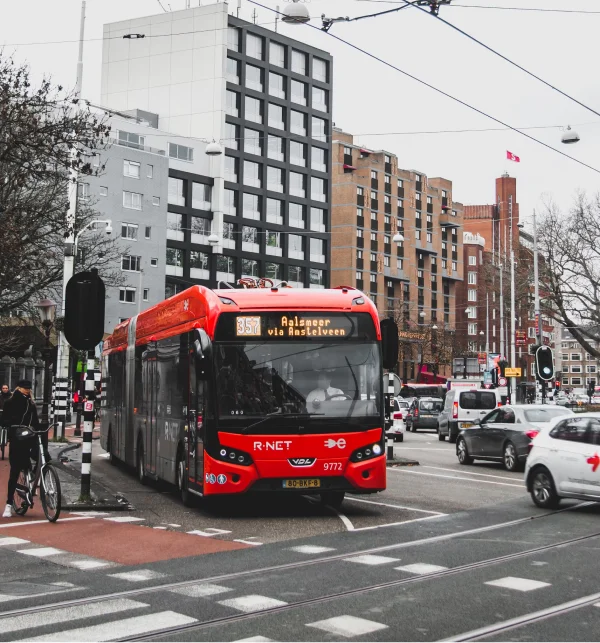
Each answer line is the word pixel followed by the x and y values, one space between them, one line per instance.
pixel 301 484
pixel 466 425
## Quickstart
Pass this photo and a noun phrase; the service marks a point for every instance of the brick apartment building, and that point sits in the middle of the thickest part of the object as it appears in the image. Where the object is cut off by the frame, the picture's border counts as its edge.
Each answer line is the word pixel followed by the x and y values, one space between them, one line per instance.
pixel 413 280
pixel 577 368
pixel 491 231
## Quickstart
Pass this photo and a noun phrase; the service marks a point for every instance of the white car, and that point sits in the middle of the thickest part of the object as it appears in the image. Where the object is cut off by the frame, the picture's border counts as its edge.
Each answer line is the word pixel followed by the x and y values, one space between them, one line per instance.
pixel 564 461
pixel 396 431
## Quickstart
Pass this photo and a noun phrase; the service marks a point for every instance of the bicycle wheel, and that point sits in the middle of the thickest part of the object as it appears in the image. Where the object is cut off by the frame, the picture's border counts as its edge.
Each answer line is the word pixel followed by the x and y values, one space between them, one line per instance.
pixel 2 441
pixel 50 493
pixel 20 503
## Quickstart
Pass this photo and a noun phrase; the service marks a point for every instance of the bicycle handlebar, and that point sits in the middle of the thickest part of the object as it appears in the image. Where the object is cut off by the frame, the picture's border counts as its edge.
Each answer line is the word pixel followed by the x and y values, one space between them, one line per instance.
pixel 39 431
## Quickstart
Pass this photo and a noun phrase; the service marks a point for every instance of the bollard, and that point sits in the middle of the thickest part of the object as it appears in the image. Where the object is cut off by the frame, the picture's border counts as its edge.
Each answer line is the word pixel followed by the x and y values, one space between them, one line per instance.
pixel 390 420
pixel 88 428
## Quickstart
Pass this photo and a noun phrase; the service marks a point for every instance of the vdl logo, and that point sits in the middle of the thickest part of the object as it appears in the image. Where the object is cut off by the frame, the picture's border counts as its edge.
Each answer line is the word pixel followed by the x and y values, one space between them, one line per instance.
pixel 331 444
pixel 302 462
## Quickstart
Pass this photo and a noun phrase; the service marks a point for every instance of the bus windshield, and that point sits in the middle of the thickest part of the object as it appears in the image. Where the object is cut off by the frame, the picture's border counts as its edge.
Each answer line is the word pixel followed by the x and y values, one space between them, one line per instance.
pixel 316 379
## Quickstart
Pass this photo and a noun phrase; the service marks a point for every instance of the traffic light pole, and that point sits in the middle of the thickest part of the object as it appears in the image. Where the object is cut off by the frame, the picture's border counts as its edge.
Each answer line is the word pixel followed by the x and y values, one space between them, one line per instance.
pixel 536 291
pixel 513 328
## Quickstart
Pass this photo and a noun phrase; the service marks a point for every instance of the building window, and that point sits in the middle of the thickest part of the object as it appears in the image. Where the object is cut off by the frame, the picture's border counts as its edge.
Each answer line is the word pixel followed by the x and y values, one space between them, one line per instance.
pixel 228 234
pixel 472 312
pixel 276 85
pixel 249 268
pixel 418 235
pixel 317 220
pixel 231 169
pixel 373 278
pixel 531 333
pixel 319 159
pixel 232 103
pixel 274 211
pixel 565 368
pixel 298 92
pixel 429 237
pixel 154 262
pixel 148 232
pixel 275 179
pixel 175 226
pixel 298 153
pixel 298 62
pixel 472 260
pixel 319 128
pixel 129 139
pixel 225 268
pixel 316 278
pixel 296 276
pixel 146 294
pixel 319 99
pixel 590 369
pixel 250 239
pixel 251 206
pixel 295 246
pixel 273 245
pixel 317 250
pixel 252 174
pixel 253 142
pixel 253 109
pixel 131 169
pixel 276 116
pixel 232 136
pixel 233 38
pixel 176 193
pixel 201 196
pixel 454 266
pixel 276 54
pixel 373 216
pixel 156 200
pixel 297 217
pixel 472 277
pixel 129 231
pixel 131 263
pixel 103 190
pixel 320 70
pixel 200 230
pixel 359 276
pixel 254 46
pixel 472 329
pixel 472 294
pixel 83 191
pixel 232 71
pixel 575 369
pixel 298 122
pixel 273 270
pixel 254 78
pixel 127 295
pixel 386 261
pixel 181 152
pixel 230 202
pixel 318 189
pixel 576 381
pixel 575 357
pixel 297 186
pixel 360 191
pixel 275 148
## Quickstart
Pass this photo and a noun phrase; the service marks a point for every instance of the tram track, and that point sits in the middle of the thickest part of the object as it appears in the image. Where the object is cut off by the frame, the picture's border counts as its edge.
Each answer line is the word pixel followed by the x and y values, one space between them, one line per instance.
pixel 237 618
pixel 285 566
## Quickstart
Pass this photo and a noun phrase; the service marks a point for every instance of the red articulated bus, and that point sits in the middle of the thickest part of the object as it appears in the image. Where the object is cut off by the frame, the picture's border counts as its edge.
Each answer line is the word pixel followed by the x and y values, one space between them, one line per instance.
pixel 260 389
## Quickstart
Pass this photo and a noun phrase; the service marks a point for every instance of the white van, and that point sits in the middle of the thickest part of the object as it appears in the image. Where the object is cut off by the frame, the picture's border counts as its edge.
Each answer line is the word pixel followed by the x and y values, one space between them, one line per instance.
pixel 462 407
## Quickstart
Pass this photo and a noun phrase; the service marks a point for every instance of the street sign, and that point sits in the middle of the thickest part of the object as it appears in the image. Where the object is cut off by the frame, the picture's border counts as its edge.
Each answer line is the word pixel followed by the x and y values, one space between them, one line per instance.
pixel 502 381
pixel 512 372
pixel 487 385
pixel 89 406
pixel 482 358
pixel 520 338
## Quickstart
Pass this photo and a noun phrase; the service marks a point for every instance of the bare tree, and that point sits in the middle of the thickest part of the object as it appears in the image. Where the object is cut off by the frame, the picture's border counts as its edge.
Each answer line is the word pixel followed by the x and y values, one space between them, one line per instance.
pixel 39 129
pixel 570 269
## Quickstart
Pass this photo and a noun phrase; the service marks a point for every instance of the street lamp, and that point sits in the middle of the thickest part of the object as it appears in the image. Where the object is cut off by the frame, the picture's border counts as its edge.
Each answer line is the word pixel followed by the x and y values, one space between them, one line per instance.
pixel 570 136
pixel 295 13
pixel 47 311
pixel 108 230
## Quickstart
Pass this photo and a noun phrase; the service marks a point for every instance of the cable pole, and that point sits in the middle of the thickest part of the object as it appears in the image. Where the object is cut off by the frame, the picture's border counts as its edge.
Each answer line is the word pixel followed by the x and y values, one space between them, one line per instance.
pixel 536 291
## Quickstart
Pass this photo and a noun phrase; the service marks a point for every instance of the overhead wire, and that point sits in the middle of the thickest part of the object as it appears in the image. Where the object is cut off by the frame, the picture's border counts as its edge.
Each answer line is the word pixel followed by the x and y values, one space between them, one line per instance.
pixel 440 91
pixel 478 6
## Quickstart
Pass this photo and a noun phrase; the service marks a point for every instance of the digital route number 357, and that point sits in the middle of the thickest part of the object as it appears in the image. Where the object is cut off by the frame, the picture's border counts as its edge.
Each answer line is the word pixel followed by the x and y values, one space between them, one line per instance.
pixel 248 326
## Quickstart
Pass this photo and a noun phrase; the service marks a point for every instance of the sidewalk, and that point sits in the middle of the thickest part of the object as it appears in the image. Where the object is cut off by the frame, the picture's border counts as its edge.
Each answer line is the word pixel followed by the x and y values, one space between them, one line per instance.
pixel 70 433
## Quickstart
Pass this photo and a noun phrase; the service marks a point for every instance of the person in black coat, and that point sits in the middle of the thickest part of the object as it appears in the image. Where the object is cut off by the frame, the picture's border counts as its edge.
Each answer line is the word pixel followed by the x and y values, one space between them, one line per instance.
pixel 19 410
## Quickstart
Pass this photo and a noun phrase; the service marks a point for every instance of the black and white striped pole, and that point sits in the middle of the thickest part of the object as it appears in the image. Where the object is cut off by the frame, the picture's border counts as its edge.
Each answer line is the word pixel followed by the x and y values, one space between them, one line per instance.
pixel 88 428
pixel 390 416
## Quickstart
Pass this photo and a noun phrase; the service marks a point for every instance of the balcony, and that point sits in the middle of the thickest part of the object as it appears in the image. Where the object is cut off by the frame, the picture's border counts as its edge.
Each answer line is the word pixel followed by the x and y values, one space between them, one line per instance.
pixel 447 220
pixel 394 273
pixel 451 274
pixel 424 246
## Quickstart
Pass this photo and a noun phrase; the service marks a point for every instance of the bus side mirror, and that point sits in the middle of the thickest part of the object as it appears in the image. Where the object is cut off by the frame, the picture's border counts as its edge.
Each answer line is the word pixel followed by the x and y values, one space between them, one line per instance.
pixel 201 344
pixel 389 343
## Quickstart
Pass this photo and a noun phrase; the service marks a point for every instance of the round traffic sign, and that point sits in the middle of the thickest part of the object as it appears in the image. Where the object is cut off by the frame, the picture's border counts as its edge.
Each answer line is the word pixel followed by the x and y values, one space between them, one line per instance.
pixel 502 381
pixel 487 385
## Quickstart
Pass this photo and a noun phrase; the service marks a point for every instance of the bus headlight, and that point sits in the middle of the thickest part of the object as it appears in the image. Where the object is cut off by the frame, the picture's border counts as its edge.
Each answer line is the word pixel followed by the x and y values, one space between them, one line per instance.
pixel 236 456
pixel 366 453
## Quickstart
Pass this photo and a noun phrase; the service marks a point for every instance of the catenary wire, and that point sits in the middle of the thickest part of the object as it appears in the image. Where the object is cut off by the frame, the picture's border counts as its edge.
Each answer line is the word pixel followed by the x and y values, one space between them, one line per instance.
pixel 440 91
pixel 478 6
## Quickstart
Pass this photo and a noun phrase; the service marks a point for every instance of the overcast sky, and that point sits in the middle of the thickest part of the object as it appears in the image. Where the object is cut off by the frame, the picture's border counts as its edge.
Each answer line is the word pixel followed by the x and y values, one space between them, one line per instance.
pixel 371 98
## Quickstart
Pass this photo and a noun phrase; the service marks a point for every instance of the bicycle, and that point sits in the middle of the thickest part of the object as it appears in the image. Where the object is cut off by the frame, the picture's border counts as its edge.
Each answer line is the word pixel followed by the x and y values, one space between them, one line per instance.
pixel 29 480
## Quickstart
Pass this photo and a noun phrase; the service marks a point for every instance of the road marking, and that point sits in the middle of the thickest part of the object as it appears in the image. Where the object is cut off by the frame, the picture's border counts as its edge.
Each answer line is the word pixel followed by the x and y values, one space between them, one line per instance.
pixel 201 590
pixel 347 522
pixel 401 522
pixel 470 473
pixel 95 514
pixel 88 564
pixel 27 523
pixel 60 588
pixel 368 559
pixel 11 540
pixel 311 549
pixel 385 504
pixel 257 639
pixel 159 527
pixel 252 603
pixel 246 542
pixel 348 626
pixel 66 614
pixel 437 475
pixel 209 532
pixel 519 584
pixel 137 576
pixel 41 552
pixel 120 629
pixel 125 519
pixel 421 568
pixel 420 449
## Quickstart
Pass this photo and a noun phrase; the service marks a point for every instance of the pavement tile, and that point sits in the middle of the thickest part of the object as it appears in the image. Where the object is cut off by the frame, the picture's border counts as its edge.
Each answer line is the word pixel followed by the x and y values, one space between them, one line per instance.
pixel 41 552
pixel 421 568
pixel 252 603
pixel 348 626
pixel 200 590
pixel 369 559
pixel 518 584
pixel 138 575
pixel 311 549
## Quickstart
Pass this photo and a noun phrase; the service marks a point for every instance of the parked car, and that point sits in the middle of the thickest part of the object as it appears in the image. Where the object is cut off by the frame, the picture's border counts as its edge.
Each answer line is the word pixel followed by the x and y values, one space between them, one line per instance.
pixel 505 434
pixel 595 399
pixel 396 430
pixel 561 399
pixel 564 461
pixel 461 409
pixel 423 413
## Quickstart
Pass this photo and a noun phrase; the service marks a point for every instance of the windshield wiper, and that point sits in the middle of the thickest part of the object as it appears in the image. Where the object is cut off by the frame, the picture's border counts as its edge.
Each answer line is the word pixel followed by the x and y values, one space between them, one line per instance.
pixel 280 413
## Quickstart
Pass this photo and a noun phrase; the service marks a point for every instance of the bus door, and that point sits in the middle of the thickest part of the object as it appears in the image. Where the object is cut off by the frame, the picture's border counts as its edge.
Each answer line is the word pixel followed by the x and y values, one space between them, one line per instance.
pixel 152 426
pixel 196 424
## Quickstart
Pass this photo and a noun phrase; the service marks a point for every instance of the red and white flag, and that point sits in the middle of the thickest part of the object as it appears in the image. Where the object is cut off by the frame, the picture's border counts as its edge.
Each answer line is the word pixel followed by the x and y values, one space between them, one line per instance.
pixel 513 157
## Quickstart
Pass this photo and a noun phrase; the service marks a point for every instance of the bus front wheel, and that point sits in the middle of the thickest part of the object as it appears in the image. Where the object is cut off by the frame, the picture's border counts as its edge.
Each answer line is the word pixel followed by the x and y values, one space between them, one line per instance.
pixel 182 482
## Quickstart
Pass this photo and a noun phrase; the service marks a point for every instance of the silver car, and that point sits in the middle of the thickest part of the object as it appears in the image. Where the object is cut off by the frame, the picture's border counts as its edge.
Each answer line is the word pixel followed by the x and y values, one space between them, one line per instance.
pixel 505 434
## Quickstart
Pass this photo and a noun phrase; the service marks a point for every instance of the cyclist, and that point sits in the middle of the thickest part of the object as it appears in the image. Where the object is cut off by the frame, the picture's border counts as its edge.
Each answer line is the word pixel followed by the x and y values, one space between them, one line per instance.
pixel 20 410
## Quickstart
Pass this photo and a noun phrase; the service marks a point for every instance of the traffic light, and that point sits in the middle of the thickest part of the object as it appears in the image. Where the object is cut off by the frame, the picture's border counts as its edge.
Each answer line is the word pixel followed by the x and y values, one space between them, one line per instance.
pixel 494 377
pixel 84 310
pixel 544 363
pixel 502 365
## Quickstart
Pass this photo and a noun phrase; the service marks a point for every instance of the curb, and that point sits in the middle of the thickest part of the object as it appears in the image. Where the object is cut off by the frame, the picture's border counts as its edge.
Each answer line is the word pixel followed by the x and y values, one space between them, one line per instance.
pixel 402 462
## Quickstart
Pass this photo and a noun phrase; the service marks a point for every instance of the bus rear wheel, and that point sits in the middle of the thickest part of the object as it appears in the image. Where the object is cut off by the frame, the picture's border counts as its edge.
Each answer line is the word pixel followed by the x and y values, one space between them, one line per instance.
pixel 333 498
pixel 182 482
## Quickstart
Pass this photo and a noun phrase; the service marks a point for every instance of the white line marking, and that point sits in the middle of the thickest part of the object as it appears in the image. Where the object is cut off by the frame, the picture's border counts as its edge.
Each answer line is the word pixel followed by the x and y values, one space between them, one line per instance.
pixel 159 527
pixel 348 626
pixel 401 449
pixel 125 519
pixel 11 540
pixel 137 576
pixel 252 603
pixel 385 504
pixel 88 564
pixel 27 523
pixel 369 559
pixel 519 584
pixel 437 475
pixel 347 522
pixel 95 514
pixel 421 568
pixel 67 614
pixel 201 590
pixel 255 639
pixel 209 532
pixel 67 587
pixel 401 522
pixel 41 552
pixel 120 629
pixel 470 473
pixel 246 542
pixel 311 549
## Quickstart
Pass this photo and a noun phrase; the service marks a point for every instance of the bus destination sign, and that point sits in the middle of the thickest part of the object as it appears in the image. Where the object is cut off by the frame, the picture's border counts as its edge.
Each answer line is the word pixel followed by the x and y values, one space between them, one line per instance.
pixel 294 325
